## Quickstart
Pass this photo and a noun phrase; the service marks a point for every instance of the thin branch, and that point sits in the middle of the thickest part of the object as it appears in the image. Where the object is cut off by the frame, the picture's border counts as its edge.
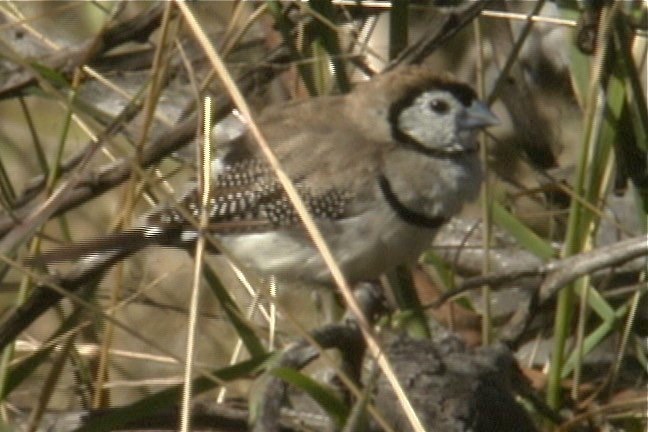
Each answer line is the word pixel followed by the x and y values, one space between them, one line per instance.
pixel 453 23
pixel 557 272
pixel 95 183
pixel 65 61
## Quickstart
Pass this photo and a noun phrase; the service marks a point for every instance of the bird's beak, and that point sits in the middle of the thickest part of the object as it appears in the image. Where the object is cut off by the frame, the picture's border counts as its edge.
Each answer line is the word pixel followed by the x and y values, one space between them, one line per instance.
pixel 478 115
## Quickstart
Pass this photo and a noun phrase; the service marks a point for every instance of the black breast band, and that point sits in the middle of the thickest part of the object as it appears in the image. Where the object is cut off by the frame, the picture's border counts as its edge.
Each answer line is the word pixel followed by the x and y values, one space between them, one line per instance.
pixel 410 216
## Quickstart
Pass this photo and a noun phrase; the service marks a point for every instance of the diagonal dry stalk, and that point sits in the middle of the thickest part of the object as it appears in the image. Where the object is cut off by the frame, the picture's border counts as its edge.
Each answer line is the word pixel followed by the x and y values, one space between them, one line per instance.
pixel 370 337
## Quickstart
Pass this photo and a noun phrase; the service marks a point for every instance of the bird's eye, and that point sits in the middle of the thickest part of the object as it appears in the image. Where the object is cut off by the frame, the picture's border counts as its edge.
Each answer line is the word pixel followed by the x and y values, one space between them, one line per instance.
pixel 439 106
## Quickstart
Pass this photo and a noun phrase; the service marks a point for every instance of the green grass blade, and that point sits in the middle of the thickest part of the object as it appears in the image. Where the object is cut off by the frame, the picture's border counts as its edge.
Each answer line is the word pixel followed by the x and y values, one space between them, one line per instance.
pixel 523 234
pixel 243 328
pixel 321 394
pixel 168 398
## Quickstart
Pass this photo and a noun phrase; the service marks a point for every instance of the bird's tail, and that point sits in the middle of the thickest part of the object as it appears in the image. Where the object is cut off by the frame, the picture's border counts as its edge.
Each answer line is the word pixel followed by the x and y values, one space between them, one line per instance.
pixel 122 243
pixel 43 297
pixel 94 256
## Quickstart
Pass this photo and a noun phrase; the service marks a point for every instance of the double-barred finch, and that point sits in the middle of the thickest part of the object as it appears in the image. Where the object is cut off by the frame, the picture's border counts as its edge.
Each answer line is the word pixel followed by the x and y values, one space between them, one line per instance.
pixel 380 169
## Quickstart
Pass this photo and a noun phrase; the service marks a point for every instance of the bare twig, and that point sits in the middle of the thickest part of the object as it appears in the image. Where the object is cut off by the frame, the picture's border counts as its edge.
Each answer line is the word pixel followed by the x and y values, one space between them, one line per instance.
pixel 453 23
pixel 572 268
pixel 95 183
pixel 67 60
pixel 558 272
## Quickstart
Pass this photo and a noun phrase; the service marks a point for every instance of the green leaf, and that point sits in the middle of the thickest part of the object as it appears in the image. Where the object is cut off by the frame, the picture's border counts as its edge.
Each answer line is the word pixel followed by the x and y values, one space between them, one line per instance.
pixel 523 234
pixel 231 309
pixel 398 28
pixel 321 394
pixel 400 280
pixel 286 28
pixel 51 75
pixel 26 367
pixel 326 37
pixel 165 399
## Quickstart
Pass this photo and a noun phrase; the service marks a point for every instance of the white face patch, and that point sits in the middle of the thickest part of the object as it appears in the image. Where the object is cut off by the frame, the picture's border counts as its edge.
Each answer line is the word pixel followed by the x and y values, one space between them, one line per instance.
pixel 431 120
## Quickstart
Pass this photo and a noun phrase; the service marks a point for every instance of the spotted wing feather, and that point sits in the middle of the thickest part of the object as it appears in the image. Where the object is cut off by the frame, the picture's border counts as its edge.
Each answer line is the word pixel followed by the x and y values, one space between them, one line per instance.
pixel 247 197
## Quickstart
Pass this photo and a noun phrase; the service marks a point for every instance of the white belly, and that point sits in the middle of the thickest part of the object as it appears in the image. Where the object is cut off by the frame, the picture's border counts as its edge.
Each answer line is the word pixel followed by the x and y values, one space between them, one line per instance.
pixel 364 247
